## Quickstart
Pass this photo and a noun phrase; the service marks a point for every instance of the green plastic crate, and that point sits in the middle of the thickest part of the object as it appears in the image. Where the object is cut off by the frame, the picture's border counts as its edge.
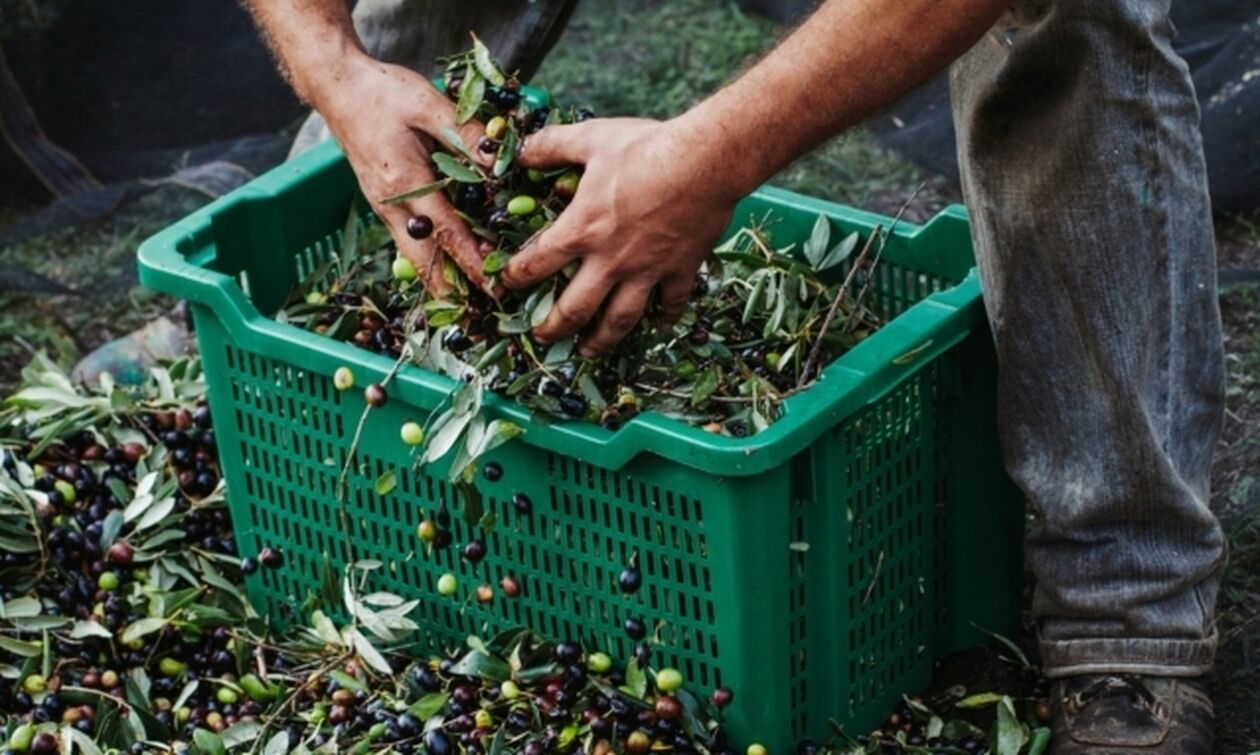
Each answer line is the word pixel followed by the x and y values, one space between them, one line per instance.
pixel 888 469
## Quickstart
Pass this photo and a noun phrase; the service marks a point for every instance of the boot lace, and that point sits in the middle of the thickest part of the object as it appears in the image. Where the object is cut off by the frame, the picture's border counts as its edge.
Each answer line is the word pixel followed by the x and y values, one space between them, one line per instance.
pixel 1107 686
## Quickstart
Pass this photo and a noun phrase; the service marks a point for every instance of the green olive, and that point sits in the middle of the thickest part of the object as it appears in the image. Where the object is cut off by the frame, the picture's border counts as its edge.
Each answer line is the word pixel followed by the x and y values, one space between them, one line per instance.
pixel 403 269
pixel 66 490
pixel 412 434
pixel 522 204
pixel 20 740
pixel 447 584
pixel 34 684
pixel 669 680
pixel 343 379
pixel 685 369
pixel 600 663
pixel 496 128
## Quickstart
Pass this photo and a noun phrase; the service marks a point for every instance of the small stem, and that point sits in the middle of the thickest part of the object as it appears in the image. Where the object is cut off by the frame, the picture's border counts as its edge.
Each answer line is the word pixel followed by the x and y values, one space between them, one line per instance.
pixel 270 720
pixel 342 481
pixel 811 364
pixel 879 255
pixel 816 350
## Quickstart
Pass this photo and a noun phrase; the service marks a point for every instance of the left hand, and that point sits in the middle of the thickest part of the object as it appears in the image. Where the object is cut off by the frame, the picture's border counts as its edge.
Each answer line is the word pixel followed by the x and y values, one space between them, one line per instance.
pixel 646 214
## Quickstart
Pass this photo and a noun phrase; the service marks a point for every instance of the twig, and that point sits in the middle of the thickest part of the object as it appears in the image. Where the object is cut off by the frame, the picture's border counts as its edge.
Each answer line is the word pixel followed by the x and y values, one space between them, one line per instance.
pixel 270 720
pixel 811 363
pixel 879 565
pixel 879 254
pixel 720 399
pixel 816 350
pixel 342 488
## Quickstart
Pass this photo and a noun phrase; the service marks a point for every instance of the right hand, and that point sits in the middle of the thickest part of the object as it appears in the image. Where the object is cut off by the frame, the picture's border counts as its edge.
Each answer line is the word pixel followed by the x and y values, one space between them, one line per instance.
pixel 388 119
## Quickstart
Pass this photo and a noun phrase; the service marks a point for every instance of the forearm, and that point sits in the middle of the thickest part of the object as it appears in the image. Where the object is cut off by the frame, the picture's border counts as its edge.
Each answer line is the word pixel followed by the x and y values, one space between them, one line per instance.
pixel 314 41
pixel 851 58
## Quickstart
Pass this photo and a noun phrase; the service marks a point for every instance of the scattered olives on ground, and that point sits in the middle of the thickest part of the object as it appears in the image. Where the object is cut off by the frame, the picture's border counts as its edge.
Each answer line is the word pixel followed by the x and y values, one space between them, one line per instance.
pixel 125 620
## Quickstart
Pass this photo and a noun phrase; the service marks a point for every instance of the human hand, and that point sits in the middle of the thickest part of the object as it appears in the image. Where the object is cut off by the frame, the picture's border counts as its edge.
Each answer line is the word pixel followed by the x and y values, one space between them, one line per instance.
pixel 646 214
pixel 388 119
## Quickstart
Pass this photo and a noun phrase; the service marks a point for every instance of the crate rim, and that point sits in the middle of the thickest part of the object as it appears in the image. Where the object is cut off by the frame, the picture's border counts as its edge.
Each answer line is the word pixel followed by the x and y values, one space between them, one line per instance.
pixel 174 260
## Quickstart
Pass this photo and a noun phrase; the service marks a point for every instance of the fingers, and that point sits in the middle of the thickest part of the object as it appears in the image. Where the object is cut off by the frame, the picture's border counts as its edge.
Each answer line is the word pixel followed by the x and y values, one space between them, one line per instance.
pixel 423 253
pixel 451 235
pixel 560 145
pixel 625 310
pixel 577 305
pixel 434 116
pixel 675 293
pixel 543 257
pixel 470 135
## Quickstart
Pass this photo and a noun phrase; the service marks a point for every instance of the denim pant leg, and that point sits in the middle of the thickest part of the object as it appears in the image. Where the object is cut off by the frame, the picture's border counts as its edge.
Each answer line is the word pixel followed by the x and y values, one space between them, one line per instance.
pixel 1082 166
pixel 414 33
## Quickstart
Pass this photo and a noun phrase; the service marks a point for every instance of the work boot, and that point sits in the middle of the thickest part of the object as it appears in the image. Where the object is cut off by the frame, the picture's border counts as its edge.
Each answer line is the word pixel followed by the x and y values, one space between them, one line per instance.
pixel 1130 715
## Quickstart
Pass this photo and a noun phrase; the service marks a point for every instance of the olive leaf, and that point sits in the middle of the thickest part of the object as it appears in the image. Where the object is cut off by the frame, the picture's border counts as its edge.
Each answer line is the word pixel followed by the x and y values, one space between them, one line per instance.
pixel 759 280
pixel 21 648
pixel 495 261
pixel 816 245
pixel 1011 732
pixel 541 306
pixel 559 352
pixel 507 152
pixel 207 742
pixel 278 744
pixel 429 706
pixel 471 94
pixel 454 169
pixel 452 140
pixel 366 651
pixel 480 438
pixel 485 64
pixel 111 527
pixel 440 313
pixel 979 700
pixel 446 432
pixel 913 354
pixel 839 253
pixel 386 483
pixel 142 627
pixel 88 628
pixel 586 384
pixel 706 385
pixel 419 192
pixel 636 680
pixel 482 665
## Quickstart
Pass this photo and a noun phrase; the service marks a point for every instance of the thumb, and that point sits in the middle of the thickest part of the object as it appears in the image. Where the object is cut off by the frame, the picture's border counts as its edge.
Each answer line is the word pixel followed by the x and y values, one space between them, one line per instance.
pixel 558 146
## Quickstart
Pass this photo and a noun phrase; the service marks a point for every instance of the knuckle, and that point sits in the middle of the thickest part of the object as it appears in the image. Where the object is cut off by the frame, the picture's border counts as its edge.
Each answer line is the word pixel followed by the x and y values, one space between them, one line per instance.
pixel 526 270
pixel 566 316
pixel 622 321
pixel 448 237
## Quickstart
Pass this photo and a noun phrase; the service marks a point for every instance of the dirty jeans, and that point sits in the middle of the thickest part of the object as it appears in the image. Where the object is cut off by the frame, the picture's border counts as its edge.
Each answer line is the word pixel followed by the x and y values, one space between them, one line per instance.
pixel 1082 168
pixel 1083 171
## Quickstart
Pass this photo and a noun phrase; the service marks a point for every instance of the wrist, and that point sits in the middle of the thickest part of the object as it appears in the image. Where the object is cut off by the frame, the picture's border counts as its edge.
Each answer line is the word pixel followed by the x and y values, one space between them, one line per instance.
pixel 714 150
pixel 325 78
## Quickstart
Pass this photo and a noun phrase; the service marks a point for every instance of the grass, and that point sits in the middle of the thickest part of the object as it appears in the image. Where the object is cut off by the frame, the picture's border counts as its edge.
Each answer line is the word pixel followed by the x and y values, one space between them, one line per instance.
pixel 655 58
pixel 97 261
